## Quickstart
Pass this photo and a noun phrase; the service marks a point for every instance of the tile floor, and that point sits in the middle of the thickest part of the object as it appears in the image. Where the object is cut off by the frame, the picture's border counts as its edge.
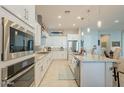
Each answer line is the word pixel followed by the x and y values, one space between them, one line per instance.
pixel 58 75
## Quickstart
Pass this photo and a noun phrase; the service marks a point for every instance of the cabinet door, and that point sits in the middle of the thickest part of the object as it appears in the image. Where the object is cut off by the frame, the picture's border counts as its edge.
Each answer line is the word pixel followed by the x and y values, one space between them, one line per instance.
pixel 38 35
pixel 30 14
pixel 18 10
pixel 109 75
pixel 25 12
pixel 92 74
pixel 37 75
pixel 39 69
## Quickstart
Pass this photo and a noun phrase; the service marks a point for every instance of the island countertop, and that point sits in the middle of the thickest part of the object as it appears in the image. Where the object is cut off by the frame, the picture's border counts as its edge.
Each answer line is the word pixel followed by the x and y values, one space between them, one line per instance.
pixel 94 58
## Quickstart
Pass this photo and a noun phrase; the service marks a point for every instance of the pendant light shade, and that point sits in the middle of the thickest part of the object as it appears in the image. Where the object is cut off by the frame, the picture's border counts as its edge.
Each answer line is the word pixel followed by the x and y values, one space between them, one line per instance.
pixel 99 24
pixel 88 29
pixel 82 33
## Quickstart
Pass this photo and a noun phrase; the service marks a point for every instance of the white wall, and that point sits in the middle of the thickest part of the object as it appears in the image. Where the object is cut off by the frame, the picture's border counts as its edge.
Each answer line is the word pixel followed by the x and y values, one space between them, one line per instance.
pixel 56 41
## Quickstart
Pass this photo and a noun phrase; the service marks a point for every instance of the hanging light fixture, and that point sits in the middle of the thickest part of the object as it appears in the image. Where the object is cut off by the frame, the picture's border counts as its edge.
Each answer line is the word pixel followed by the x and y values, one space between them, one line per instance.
pixel 82 33
pixel 88 29
pixel 99 22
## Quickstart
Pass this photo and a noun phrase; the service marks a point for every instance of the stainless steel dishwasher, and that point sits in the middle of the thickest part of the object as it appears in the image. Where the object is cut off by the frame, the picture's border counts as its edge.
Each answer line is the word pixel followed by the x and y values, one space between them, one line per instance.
pixel 77 71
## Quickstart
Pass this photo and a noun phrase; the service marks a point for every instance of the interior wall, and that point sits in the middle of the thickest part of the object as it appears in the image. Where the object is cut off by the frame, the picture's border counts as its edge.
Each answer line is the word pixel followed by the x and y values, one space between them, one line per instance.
pixel 56 41
pixel 114 36
pixel 90 39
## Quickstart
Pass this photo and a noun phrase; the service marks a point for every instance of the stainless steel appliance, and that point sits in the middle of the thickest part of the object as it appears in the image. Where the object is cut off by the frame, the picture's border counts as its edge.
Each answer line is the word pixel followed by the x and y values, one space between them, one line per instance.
pixel 17 40
pixel 77 71
pixel 19 75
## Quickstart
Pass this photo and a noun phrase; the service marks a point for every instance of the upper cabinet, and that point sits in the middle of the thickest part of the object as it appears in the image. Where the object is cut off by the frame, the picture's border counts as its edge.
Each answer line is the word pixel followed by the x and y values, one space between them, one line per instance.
pixel 25 12
pixel 38 35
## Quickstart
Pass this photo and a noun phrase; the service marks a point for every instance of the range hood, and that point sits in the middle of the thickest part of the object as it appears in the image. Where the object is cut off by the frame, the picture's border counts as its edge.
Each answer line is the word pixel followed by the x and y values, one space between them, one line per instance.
pixel 56 33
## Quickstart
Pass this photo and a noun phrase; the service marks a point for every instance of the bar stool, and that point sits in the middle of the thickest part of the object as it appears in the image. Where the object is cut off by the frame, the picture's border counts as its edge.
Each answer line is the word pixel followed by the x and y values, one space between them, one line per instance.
pixel 120 70
pixel 118 77
pixel 116 56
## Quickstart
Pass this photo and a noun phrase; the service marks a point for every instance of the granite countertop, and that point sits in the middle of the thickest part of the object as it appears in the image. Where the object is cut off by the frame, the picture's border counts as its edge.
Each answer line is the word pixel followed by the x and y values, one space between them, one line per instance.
pixel 40 55
pixel 94 58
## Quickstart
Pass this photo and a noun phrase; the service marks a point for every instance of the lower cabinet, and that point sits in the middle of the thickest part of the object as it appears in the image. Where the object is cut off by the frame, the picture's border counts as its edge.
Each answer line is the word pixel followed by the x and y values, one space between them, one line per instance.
pixel 60 54
pixel 96 74
pixel 41 67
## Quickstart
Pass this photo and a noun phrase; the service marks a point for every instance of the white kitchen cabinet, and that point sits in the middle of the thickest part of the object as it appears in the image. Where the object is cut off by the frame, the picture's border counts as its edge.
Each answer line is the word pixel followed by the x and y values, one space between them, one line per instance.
pixel 92 74
pixel 96 74
pixel 24 12
pixel 41 66
pixel 60 54
pixel 38 73
pixel 109 73
pixel 38 35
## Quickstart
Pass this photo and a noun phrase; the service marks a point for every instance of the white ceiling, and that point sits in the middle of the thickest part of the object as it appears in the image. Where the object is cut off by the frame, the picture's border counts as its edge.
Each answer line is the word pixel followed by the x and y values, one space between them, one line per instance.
pixel 107 14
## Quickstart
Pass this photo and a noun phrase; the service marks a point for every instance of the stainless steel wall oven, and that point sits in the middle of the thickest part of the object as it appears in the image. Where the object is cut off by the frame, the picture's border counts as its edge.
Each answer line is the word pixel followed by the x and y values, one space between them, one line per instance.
pixel 19 75
pixel 17 40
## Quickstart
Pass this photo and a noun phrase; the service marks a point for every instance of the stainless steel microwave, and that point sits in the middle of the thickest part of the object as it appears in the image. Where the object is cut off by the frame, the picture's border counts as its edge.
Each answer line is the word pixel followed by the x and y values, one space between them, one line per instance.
pixel 17 40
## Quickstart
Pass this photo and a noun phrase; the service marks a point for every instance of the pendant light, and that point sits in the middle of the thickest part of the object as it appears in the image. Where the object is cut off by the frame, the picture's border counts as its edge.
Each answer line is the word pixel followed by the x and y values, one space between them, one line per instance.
pixel 88 29
pixel 82 33
pixel 99 22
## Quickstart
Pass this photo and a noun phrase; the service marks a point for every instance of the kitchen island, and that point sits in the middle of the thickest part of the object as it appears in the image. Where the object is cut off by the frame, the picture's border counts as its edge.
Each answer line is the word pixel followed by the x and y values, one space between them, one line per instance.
pixel 93 71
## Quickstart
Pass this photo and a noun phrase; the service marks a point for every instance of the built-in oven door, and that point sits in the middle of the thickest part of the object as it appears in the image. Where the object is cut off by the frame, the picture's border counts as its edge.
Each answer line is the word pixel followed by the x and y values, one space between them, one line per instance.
pixel 24 80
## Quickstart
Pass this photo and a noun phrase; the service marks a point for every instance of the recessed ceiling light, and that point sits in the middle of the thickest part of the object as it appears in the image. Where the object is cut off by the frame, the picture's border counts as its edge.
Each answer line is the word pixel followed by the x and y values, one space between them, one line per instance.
pixel 78 17
pixel 88 29
pixel 99 24
pixel 60 24
pixel 116 21
pixel 74 24
pixel 59 17
pixel 82 33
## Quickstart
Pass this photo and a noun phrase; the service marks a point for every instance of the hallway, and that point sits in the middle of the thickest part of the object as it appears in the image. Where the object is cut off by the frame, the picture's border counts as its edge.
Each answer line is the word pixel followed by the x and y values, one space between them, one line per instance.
pixel 58 75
